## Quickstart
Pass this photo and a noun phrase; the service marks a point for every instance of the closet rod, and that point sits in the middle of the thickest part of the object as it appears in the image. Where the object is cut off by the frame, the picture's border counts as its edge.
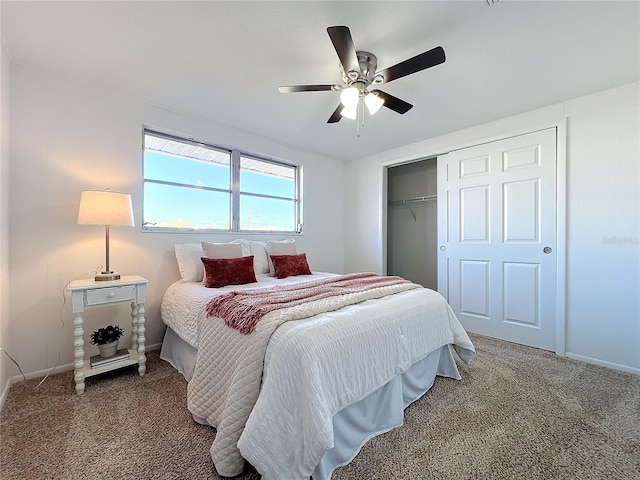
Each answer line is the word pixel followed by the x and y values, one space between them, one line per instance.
pixel 414 199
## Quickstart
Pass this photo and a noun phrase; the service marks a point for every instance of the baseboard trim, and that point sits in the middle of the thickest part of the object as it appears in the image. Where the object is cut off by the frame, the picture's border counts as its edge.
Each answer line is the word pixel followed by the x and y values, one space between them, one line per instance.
pixel 59 369
pixel 41 373
pixel 5 392
pixel 603 363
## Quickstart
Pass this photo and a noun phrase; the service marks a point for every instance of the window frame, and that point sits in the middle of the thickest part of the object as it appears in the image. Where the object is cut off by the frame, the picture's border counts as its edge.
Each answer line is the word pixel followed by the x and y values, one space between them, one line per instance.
pixel 234 189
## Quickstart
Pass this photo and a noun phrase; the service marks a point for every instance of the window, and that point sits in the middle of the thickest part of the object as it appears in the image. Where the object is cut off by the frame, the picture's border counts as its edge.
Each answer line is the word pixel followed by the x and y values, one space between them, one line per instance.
pixel 190 186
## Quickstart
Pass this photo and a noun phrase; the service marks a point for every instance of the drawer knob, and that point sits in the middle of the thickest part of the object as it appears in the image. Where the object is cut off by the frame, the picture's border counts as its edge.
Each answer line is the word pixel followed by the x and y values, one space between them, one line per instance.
pixel 112 294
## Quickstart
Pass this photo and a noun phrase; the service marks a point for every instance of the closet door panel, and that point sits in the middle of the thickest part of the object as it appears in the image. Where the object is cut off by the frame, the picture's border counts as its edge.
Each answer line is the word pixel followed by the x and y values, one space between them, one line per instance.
pixel 499 247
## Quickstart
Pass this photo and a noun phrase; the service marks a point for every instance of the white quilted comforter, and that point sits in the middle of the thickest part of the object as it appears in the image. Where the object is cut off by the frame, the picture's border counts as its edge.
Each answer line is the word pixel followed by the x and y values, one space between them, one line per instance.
pixel 312 370
pixel 184 303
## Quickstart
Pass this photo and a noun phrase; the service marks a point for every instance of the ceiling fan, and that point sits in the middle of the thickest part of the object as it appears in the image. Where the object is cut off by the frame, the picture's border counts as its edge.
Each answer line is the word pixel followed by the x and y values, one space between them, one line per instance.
pixel 358 69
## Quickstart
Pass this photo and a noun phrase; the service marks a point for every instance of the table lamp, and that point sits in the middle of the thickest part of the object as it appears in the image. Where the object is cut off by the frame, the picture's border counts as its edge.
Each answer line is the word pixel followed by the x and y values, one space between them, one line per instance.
pixel 109 209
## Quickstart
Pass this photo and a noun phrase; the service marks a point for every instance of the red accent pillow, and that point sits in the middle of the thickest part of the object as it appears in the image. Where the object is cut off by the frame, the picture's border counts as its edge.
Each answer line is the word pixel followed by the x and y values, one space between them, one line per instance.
pixel 290 265
pixel 219 272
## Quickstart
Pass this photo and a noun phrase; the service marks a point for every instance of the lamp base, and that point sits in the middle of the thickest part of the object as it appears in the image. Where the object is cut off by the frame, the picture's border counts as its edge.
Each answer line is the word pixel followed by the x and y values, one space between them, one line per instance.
pixel 107 277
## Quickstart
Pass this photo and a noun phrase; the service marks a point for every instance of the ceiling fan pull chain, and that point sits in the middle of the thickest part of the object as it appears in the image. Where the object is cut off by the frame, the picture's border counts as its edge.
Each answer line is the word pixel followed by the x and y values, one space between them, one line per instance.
pixel 359 117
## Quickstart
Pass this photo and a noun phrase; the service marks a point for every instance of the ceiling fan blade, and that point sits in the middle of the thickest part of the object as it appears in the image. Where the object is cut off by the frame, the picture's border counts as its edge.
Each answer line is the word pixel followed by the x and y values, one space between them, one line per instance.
pixel 346 50
pixel 307 88
pixel 425 60
pixel 393 103
pixel 335 117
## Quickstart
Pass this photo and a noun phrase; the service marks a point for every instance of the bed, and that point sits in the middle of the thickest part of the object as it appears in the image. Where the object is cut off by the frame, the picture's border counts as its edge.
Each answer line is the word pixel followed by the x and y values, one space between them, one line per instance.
pixel 301 394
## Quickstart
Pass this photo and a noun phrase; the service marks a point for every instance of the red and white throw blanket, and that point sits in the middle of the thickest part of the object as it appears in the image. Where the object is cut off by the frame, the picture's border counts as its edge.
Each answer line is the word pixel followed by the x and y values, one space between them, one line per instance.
pixel 228 372
pixel 243 309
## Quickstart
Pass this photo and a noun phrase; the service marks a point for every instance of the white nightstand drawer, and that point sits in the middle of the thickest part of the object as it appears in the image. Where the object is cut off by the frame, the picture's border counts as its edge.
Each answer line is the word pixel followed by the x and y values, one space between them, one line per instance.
pixel 110 295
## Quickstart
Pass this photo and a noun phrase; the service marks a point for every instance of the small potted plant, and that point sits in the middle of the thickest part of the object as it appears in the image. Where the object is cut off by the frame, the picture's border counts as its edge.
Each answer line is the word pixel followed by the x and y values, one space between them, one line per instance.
pixel 106 339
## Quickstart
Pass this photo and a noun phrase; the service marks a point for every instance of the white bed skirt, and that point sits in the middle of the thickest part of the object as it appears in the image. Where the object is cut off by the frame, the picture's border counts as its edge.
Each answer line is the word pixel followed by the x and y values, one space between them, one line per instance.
pixel 354 425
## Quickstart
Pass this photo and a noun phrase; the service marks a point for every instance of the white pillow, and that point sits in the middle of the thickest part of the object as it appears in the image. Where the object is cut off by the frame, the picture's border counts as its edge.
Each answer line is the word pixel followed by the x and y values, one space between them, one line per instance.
pixel 235 249
pixel 260 259
pixel 188 256
pixel 284 247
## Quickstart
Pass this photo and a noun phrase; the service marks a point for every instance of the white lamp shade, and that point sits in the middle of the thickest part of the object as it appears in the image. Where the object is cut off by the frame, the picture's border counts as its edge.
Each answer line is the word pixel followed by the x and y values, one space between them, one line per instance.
pixel 350 112
pixel 105 208
pixel 373 102
pixel 350 96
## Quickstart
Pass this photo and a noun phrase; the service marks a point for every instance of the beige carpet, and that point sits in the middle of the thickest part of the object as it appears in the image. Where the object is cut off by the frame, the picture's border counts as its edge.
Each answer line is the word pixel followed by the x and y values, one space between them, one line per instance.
pixel 518 413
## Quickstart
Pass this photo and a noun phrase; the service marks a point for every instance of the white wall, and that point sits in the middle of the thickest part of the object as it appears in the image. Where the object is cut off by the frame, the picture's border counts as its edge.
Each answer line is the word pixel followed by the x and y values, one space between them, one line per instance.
pixel 5 88
pixel 602 215
pixel 68 137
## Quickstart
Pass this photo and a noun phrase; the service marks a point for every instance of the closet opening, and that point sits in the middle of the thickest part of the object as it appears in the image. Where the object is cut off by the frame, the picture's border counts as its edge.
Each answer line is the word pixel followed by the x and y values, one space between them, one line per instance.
pixel 412 222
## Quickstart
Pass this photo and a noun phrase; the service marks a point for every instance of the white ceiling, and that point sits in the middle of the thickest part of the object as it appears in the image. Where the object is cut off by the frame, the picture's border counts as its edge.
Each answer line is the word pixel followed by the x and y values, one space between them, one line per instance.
pixel 224 60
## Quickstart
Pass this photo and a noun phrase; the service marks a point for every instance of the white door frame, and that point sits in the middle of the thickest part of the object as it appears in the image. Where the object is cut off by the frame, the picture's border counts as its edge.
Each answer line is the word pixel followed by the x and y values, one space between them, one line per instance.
pixel 561 203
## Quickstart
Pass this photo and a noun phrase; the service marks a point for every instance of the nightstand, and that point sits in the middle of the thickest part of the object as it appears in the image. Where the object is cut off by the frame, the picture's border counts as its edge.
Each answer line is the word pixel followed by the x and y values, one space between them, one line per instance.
pixel 91 294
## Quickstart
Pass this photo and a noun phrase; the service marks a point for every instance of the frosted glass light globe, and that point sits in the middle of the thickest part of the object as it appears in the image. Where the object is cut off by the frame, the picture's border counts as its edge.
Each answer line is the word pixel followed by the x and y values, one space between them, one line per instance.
pixel 350 96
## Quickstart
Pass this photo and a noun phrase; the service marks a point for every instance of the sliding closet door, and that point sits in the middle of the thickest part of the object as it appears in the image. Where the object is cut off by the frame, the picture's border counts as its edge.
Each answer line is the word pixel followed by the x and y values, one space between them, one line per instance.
pixel 497 237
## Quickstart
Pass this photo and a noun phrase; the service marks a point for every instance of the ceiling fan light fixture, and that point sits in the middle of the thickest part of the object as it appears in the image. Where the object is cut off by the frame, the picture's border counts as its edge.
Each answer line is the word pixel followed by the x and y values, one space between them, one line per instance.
pixel 358 70
pixel 350 112
pixel 350 97
pixel 373 102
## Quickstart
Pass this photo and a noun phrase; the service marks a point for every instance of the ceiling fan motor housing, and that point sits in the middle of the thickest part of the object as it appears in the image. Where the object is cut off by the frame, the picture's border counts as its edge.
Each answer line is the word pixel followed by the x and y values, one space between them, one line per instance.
pixel 367 74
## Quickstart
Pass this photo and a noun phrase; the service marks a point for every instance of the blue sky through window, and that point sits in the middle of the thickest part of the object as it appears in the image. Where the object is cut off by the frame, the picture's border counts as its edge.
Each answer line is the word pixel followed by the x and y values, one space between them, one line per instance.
pixel 194 206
